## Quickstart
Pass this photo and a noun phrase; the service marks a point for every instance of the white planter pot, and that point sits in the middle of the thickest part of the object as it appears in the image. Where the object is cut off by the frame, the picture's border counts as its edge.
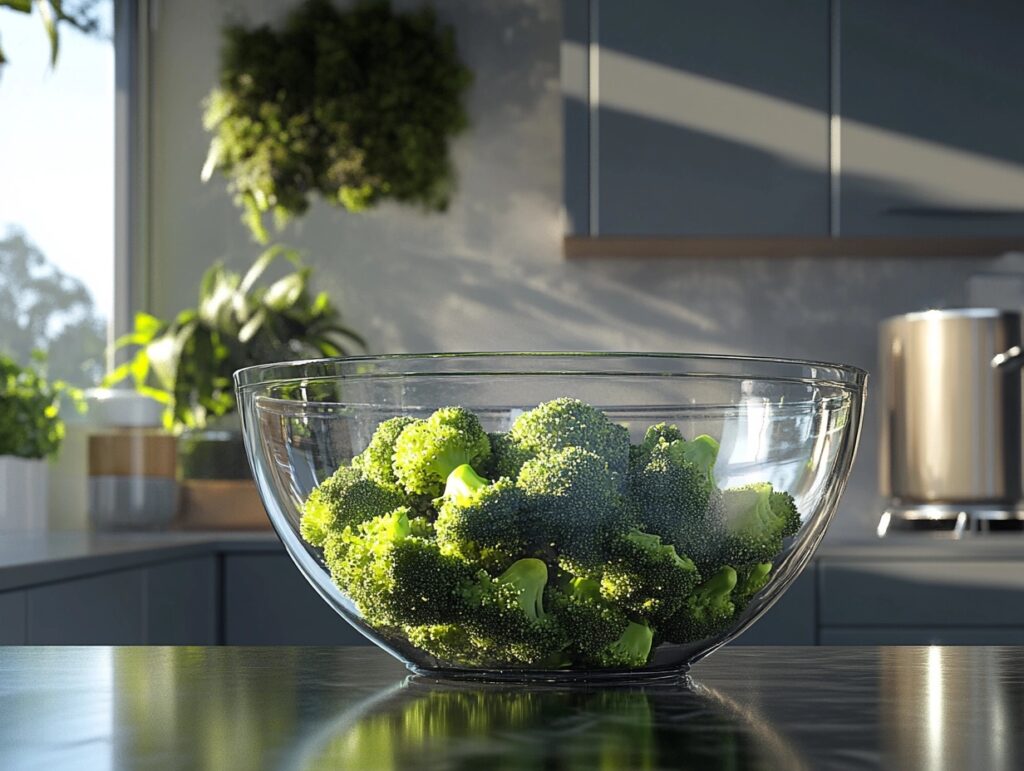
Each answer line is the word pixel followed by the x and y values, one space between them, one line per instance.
pixel 23 494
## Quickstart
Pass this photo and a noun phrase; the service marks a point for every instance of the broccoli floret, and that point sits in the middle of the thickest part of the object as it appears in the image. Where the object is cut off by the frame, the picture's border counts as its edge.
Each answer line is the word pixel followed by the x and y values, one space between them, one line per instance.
pixel 573 497
pixel 344 498
pixel 507 621
pixel 784 506
pixel 480 521
pixel 750 579
pixel 671 493
pixel 395 577
pixel 639 454
pixel 631 649
pixel 562 423
pixel 646 577
pixel 591 622
pixel 507 458
pixel 427 451
pixel 451 643
pixel 376 460
pixel 706 612
pixel 754 527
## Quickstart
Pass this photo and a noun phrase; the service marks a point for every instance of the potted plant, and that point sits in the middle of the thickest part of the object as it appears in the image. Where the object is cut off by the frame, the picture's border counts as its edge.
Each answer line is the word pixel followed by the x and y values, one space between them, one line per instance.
pixel 187 365
pixel 31 431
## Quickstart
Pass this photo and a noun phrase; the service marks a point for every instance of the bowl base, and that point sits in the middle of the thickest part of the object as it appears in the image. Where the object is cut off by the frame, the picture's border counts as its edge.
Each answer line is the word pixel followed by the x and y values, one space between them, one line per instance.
pixel 669 675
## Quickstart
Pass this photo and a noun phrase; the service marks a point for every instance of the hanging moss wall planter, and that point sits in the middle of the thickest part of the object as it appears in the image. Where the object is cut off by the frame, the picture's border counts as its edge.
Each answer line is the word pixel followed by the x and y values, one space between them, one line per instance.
pixel 357 105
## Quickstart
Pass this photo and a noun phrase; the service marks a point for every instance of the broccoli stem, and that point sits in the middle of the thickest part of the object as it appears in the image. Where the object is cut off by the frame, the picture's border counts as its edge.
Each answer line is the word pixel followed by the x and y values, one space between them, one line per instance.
pixel 462 483
pixel 528 576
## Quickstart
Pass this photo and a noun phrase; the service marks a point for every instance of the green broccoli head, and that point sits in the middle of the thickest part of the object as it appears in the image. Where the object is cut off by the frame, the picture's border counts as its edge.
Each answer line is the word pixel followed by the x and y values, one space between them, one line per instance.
pixel 646 577
pixel 508 621
pixel 451 643
pixel 482 522
pixel 427 451
pixel 630 650
pixel 784 506
pixel 561 423
pixel 750 579
pixel 396 578
pixel 573 498
pixel 507 458
pixel 639 454
pixel 706 612
pixel 344 498
pixel 755 521
pixel 376 460
pixel 671 492
pixel 591 622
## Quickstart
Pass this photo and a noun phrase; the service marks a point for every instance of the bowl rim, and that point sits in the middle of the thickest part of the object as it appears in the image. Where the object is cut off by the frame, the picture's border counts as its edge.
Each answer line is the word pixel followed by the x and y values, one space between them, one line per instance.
pixel 844 375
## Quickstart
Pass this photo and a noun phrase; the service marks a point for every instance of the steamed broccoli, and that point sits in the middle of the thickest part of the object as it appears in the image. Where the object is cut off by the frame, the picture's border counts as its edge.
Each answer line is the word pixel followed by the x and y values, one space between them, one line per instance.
pixel 376 460
pixel 452 643
pixel 631 649
pixel 750 579
pixel 344 498
pixel 561 423
pixel 755 521
pixel 591 621
pixel 646 577
pixel 556 544
pixel 508 622
pixel 706 612
pixel 671 492
pixel 573 497
pixel 396 577
pixel 427 451
pixel 481 521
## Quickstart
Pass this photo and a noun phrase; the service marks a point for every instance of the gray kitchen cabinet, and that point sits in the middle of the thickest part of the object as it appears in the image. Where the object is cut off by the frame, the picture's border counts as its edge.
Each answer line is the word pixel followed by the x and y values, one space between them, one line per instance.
pixel 924 593
pixel 926 636
pixel 931 101
pixel 181 602
pixel 686 118
pixel 268 602
pixel 12 618
pixel 97 610
pixel 791 620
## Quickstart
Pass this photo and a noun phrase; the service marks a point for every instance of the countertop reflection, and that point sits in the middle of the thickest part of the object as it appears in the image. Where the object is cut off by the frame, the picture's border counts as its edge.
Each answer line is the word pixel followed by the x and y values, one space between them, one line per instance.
pixel 347 708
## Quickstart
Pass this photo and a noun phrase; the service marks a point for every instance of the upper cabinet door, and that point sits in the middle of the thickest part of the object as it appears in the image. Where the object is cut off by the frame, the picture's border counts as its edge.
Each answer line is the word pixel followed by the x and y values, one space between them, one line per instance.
pixel 687 118
pixel 931 102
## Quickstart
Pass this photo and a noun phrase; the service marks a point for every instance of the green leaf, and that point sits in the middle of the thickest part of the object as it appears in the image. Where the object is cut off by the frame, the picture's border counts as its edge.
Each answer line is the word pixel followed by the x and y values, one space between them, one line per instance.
pixel 285 292
pixel 24 6
pixel 252 326
pixel 147 324
pixel 46 13
pixel 260 266
pixel 117 375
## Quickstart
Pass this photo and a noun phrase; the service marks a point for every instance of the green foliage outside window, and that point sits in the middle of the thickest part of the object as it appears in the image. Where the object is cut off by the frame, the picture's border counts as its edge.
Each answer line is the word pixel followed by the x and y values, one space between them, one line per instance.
pixel 356 105
pixel 30 423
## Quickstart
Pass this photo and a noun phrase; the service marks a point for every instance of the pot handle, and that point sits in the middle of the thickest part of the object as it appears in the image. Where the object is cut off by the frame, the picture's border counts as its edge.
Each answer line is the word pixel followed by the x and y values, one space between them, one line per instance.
pixel 1009 360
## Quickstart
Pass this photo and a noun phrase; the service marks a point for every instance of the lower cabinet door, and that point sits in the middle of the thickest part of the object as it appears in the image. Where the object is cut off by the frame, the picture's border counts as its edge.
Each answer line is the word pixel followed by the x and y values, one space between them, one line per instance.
pixel 948 636
pixel 12 618
pixel 98 610
pixel 268 602
pixel 791 620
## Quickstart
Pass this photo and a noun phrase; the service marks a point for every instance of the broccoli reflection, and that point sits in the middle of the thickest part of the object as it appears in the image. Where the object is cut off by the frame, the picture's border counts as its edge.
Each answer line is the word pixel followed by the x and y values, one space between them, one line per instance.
pixel 424 726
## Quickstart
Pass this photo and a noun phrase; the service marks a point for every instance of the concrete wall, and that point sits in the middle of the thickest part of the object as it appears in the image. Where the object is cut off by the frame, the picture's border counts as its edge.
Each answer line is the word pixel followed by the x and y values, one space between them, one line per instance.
pixel 488 275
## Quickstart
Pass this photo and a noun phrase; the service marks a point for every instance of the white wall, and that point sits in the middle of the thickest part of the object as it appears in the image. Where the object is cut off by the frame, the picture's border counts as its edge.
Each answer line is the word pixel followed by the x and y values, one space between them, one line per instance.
pixel 489 275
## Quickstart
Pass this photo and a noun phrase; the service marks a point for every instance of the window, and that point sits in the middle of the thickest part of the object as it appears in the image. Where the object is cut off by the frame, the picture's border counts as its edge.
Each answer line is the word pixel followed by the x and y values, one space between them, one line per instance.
pixel 57 193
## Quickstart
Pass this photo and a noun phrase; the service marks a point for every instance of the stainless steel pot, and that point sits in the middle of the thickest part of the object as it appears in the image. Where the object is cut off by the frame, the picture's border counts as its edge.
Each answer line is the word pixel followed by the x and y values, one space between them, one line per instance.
pixel 951 421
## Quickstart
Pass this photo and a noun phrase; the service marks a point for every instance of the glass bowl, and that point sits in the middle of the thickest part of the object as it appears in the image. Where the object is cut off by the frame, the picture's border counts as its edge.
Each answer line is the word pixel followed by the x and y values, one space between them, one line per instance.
pixel 622 517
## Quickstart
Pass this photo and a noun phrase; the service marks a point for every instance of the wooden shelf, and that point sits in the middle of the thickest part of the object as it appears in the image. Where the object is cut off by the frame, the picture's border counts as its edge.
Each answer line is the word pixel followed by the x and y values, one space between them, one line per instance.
pixel 576 247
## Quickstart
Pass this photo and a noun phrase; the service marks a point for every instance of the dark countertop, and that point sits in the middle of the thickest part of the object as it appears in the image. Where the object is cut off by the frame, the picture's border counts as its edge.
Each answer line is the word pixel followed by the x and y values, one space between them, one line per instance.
pixel 299 708
pixel 28 559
